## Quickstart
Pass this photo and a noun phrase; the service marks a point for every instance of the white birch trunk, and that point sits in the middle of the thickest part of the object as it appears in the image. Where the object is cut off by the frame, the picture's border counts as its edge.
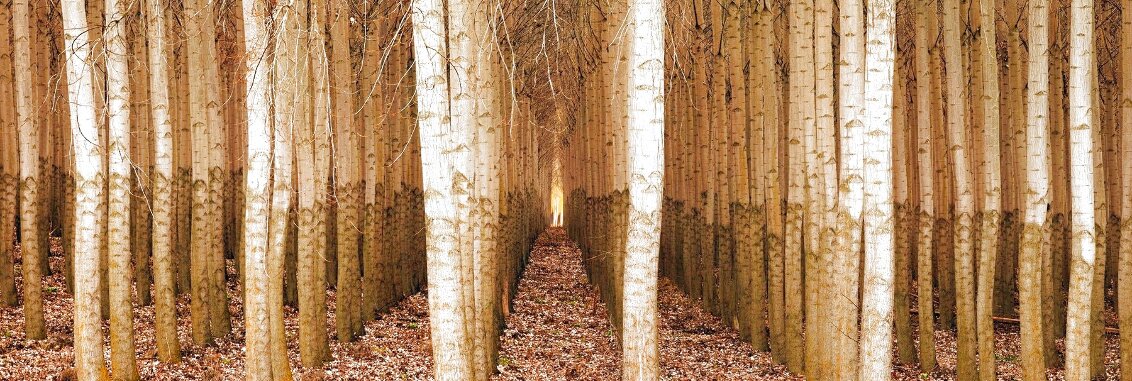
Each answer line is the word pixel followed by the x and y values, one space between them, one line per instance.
pixel 258 85
pixel 89 363
pixel 645 153
pixel 446 309
pixel 1083 230
pixel 29 179
pixel 122 358
pixel 168 346
pixel 878 274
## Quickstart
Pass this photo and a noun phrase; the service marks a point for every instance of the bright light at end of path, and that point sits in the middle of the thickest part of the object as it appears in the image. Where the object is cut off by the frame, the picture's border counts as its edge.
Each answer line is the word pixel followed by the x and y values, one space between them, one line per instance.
pixel 557 200
pixel 556 205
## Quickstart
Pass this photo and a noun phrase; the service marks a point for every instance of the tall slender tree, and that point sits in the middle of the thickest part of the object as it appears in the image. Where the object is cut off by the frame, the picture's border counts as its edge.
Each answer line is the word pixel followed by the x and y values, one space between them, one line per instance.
pixel 990 227
pixel 1082 66
pixel 89 185
pixel 446 311
pixel 346 179
pixel 122 358
pixel 165 320
pixel 926 170
pixel 258 77
pixel 645 137
pixel 27 113
pixel 196 11
pixel 851 196
pixel 877 274
pixel 9 168
pixel 1124 278
pixel 1037 196
pixel 963 196
pixel 801 115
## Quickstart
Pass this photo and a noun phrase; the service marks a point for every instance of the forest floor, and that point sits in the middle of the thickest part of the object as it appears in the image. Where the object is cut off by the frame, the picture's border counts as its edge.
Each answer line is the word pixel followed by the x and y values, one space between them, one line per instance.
pixel 558 329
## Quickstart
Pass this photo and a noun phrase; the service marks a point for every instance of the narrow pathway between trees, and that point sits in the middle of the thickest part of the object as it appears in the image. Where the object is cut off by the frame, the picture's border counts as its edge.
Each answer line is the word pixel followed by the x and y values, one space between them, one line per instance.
pixel 559 329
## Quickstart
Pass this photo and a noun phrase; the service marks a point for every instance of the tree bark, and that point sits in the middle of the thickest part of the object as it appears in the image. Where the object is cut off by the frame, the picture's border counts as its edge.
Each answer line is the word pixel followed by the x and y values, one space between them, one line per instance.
pixel 877 277
pixel 645 91
pixel 1037 198
pixel 201 235
pixel 164 296
pixel 1081 145
pixel 257 256
pixel 964 197
pixel 9 169
pixel 1124 286
pixel 446 309
pixel 801 114
pixel 89 363
pixel 313 171
pixel 27 114
pixel 992 192
pixel 850 204
pixel 346 179
pixel 926 223
pixel 122 358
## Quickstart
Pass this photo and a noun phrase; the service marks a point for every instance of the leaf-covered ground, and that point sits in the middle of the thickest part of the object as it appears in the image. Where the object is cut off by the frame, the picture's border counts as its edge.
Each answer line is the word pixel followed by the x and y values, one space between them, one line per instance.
pixel 396 345
pixel 558 329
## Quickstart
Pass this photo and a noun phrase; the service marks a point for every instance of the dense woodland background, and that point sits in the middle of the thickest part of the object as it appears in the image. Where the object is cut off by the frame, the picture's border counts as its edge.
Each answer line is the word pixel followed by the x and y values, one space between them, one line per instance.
pixel 837 182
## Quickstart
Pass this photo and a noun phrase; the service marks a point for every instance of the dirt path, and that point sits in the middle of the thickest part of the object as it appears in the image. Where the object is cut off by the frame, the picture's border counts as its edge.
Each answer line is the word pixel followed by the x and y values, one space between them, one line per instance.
pixel 558 328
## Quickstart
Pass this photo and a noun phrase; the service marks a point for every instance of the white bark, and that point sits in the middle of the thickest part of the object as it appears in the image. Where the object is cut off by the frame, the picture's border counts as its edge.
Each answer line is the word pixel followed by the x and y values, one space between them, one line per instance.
pixel 1037 195
pixel 122 357
pixel 645 108
pixel 851 197
pixel 258 85
pixel 449 343
pixel 89 364
pixel 878 274
pixel 1083 245
pixel 163 233
pixel 29 180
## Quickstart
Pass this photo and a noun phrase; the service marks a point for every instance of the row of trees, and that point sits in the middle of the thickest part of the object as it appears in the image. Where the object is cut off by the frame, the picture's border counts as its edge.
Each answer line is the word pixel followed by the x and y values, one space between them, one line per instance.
pixel 159 139
pixel 615 167
pixel 801 200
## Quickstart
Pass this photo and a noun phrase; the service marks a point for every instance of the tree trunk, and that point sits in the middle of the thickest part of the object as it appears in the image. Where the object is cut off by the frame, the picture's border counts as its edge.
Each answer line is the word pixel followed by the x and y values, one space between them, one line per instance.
pixel 201 235
pixel 992 192
pixel 372 99
pixel 141 159
pixel 801 66
pixel 9 168
pixel 30 245
pixel 645 151
pixel 165 320
pixel 89 363
pixel 258 252
pixel 964 198
pixel 1081 145
pixel 464 17
pixel 877 277
pixel 904 215
pixel 446 310
pixel 1125 270
pixel 1037 198
pixel 341 79
pixel 926 223
pixel 220 322
pixel 122 358
pixel 852 101
pixel 313 171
